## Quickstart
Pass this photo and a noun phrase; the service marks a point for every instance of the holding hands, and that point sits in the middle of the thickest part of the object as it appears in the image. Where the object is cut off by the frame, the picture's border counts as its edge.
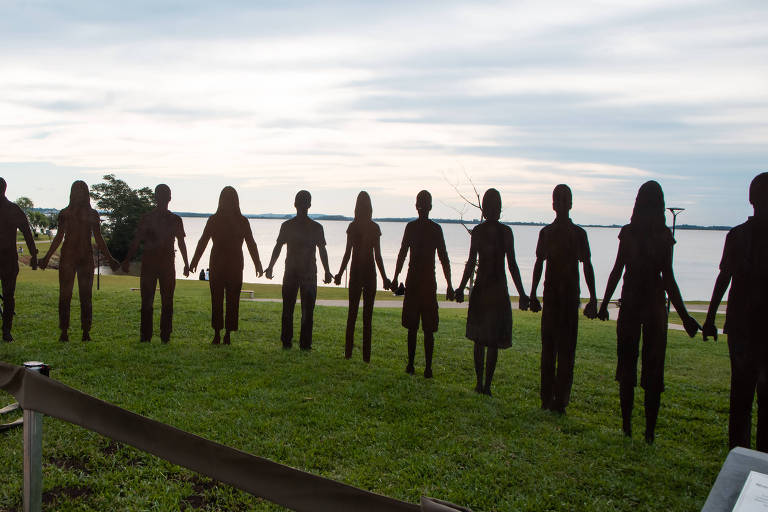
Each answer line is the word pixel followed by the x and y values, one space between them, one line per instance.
pixel 709 329
pixel 590 310
pixel 534 304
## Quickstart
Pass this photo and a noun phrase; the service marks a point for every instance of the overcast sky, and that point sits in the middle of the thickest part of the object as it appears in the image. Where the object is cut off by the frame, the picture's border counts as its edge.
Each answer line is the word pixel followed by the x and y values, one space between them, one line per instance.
pixel 390 97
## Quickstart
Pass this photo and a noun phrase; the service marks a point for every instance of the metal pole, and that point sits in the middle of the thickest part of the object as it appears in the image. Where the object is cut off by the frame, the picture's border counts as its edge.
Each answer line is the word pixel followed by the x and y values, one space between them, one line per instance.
pixel 98 268
pixel 33 450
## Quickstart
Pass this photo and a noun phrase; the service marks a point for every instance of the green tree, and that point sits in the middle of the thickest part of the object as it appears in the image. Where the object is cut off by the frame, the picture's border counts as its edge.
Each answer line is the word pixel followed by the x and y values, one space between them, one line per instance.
pixel 123 207
pixel 38 220
pixel 25 204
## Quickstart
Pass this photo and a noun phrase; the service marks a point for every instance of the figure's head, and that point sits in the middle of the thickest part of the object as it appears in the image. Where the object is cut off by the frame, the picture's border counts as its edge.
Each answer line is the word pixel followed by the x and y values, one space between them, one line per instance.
pixel 492 204
pixel 423 203
pixel 162 194
pixel 758 192
pixel 303 200
pixel 363 206
pixel 562 199
pixel 3 186
pixel 649 205
pixel 229 202
pixel 78 194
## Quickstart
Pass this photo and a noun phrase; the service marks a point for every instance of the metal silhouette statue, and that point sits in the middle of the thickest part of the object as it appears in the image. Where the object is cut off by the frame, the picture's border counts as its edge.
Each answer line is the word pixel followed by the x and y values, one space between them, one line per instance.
pixel 745 266
pixel 645 259
pixel 422 237
pixel 302 236
pixel 157 230
pixel 227 229
pixel 563 245
pixel 78 222
pixel 363 243
pixel 12 218
pixel 489 316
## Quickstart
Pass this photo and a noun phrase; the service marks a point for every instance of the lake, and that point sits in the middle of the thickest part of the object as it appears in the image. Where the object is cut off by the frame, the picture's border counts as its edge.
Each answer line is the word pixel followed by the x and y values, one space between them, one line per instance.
pixel 696 260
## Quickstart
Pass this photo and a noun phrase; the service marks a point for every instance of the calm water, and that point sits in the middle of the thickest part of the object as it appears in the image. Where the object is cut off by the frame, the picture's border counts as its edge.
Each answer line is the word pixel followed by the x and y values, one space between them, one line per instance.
pixel 697 253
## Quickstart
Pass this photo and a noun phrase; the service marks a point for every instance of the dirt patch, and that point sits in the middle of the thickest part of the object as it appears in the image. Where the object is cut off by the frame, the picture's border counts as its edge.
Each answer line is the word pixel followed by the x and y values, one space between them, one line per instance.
pixel 69 463
pixel 65 492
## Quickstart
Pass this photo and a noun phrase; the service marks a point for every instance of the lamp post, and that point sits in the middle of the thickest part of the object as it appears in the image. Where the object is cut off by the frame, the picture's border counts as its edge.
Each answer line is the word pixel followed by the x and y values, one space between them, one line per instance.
pixel 675 212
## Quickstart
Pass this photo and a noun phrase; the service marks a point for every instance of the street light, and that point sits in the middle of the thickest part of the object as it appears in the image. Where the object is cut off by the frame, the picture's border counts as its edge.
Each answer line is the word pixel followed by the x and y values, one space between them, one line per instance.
pixel 675 212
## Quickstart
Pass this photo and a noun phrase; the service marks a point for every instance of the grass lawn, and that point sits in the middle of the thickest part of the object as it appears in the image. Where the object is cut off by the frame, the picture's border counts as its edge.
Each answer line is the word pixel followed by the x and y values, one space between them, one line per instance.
pixel 371 426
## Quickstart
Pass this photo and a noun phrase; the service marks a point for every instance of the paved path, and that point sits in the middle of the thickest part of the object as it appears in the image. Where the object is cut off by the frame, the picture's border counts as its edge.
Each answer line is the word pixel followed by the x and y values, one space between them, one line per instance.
pixel 613 311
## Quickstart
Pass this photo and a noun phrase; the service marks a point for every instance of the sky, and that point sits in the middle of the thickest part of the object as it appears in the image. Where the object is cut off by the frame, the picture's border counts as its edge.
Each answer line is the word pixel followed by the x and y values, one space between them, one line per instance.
pixel 390 97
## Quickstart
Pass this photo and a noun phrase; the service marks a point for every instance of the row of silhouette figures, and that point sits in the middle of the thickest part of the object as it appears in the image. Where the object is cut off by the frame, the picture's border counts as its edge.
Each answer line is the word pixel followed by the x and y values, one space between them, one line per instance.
pixel 644 259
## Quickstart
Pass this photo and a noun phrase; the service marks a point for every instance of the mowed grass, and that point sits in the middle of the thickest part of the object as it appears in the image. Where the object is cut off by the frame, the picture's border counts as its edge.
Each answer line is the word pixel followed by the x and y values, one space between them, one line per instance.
pixel 369 425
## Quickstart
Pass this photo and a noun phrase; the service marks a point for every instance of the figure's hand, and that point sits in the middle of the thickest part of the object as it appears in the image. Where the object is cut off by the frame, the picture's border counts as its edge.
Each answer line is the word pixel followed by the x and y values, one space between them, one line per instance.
pixel 42 263
pixel 449 293
pixel 709 329
pixel 534 304
pixel 259 270
pixel 125 266
pixel 337 279
pixel 268 272
pixel 328 277
pixel 33 262
pixel 193 267
pixel 387 284
pixel 603 313
pixel 590 310
pixel 524 303
pixel 186 271
pixel 691 326
pixel 393 285
pixel 459 295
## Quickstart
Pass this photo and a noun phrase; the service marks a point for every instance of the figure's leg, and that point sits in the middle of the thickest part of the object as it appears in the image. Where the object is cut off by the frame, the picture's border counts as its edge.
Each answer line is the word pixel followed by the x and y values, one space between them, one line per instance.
pixel 85 290
pixel 627 400
pixel 429 347
pixel 652 377
pixel 290 289
pixel 66 283
pixel 548 356
pixel 743 384
pixel 411 350
pixel 217 307
pixel 479 356
pixel 232 291
pixel 566 357
pixel 308 291
pixel 652 403
pixel 167 287
pixel 354 302
pixel 762 407
pixel 9 302
pixel 369 296
pixel 490 368
pixel 627 352
pixel 147 285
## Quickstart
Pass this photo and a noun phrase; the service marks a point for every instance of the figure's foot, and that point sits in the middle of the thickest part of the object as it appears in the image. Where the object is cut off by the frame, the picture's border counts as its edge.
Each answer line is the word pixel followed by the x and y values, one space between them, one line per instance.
pixel 216 339
pixel 143 340
pixel 64 336
pixel 7 337
pixel 165 338
pixel 627 429
pixel 367 359
pixel 427 373
pixel 479 387
pixel 306 348
pixel 86 336
pixel 226 338
pixel 649 436
pixel 410 369
pixel 287 346
pixel 487 390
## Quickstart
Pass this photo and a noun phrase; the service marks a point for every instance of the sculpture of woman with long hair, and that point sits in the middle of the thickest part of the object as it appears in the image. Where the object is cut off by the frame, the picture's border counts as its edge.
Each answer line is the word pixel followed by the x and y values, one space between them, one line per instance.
pixel 645 259
pixel 77 223
pixel 489 317
pixel 227 228
pixel 363 236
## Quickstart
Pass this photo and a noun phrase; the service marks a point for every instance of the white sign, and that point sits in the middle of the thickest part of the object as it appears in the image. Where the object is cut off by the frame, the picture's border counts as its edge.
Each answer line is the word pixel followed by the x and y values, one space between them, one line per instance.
pixel 754 494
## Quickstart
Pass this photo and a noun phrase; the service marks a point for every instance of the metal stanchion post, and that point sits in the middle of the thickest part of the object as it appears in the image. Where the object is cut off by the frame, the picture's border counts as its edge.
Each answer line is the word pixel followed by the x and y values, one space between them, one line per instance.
pixel 33 450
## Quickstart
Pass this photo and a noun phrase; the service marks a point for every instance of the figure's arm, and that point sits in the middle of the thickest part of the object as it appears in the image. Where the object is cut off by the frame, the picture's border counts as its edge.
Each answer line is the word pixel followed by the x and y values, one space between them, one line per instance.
pixel 28 238
pixel 613 281
pixel 324 260
pixel 515 272
pixel 442 253
pixel 380 264
pixel 183 251
pixel 538 267
pixel 273 259
pixel 404 245
pixel 469 269
pixel 201 245
pixel 43 263
pixel 101 244
pixel 590 311
pixel 721 284
pixel 344 261
pixel 673 292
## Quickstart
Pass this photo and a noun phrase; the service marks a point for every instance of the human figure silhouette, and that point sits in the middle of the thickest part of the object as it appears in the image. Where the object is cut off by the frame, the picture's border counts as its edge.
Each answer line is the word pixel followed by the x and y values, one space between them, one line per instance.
pixel 78 222
pixel 645 252
pixel 156 231
pixel 422 237
pixel 228 229
pixel 301 235
pixel 489 316
pixel 363 236
pixel 202 274
pixel 745 266
pixel 562 245
pixel 12 218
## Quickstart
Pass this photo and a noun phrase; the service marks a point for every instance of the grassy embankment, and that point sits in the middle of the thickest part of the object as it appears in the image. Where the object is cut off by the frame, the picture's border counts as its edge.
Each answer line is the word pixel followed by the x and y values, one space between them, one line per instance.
pixel 371 426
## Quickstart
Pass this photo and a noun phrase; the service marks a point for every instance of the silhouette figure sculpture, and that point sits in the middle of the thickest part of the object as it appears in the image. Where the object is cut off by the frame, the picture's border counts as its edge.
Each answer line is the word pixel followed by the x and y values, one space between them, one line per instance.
pixel 645 258
pixel 745 266
pixel 363 236
pixel 156 231
pixel 489 316
pixel 12 218
pixel 78 222
pixel 227 228
pixel 302 235
pixel 422 237
pixel 562 245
